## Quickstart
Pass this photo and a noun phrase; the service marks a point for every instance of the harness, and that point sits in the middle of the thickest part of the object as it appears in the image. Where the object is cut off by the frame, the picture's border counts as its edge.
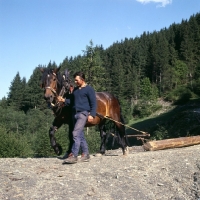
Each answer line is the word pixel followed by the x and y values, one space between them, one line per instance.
pixel 66 83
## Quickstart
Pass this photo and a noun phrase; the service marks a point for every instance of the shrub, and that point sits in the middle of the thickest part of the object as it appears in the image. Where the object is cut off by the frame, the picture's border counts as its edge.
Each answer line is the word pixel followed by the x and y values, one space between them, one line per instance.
pixel 160 133
pixel 180 95
pixel 93 139
pixel 144 109
pixel 14 145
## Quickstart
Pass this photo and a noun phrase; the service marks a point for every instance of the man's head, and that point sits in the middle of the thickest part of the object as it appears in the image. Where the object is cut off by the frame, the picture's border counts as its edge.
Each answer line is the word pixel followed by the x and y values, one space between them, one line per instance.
pixel 79 78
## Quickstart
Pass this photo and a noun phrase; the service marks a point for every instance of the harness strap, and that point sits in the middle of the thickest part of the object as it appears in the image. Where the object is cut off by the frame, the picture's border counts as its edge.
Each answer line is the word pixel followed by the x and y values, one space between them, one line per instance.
pixel 51 89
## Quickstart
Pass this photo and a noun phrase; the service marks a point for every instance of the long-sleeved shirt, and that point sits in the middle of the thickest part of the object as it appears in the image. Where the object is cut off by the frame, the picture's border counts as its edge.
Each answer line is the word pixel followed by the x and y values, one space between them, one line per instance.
pixel 83 99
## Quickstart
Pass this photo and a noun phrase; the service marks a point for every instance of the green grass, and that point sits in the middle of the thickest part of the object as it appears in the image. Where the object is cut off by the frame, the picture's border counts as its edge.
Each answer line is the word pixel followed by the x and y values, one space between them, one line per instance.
pixel 173 122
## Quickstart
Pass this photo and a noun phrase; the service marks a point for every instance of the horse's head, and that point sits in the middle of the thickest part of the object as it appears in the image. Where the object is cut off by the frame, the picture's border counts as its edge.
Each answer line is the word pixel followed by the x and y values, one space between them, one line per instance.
pixel 66 81
pixel 53 82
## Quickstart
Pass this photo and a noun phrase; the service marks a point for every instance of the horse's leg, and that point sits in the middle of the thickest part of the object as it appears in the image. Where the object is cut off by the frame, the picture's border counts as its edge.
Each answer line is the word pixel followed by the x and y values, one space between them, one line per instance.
pixel 122 136
pixel 69 149
pixel 70 137
pixel 57 148
pixel 122 139
pixel 102 129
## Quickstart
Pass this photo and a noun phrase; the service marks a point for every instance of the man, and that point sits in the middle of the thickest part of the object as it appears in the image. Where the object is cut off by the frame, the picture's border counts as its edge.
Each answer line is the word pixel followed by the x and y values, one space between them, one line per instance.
pixel 84 109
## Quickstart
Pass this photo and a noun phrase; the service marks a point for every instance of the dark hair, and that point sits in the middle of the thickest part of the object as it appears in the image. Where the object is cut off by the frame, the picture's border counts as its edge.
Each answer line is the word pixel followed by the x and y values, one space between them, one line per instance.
pixel 81 74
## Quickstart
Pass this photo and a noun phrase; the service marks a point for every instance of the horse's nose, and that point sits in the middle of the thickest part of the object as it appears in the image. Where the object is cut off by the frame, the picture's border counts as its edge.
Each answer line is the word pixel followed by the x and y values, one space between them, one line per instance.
pixel 48 97
pixel 45 98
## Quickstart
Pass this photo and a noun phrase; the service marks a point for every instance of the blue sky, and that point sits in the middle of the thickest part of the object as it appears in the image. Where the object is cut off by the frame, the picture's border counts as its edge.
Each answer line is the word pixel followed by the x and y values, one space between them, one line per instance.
pixel 34 32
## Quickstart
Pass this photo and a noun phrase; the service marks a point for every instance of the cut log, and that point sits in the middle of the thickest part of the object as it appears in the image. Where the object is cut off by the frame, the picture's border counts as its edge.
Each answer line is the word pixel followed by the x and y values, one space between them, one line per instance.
pixel 171 143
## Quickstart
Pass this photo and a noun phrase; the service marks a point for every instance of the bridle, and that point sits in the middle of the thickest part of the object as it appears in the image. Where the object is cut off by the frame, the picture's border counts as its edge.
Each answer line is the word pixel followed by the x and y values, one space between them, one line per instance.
pixel 65 84
pixel 49 87
pixel 54 91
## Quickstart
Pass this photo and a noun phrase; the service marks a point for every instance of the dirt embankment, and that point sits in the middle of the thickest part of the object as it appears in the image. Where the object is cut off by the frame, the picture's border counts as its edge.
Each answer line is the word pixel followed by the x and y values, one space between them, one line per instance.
pixel 166 174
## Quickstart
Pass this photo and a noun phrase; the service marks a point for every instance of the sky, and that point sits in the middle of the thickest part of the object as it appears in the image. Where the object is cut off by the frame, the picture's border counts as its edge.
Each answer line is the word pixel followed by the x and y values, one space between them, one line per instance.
pixel 35 32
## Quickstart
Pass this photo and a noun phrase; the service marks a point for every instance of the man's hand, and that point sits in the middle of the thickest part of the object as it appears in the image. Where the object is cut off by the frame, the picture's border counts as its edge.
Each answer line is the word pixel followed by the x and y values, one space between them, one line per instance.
pixel 90 119
pixel 60 99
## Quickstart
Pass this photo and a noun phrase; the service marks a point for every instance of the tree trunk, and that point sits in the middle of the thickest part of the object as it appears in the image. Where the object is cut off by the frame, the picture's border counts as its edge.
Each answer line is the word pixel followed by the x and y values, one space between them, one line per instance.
pixel 171 143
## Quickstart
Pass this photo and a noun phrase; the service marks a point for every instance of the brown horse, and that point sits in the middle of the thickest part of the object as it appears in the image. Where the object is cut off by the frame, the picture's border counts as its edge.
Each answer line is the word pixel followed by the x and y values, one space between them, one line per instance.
pixel 107 105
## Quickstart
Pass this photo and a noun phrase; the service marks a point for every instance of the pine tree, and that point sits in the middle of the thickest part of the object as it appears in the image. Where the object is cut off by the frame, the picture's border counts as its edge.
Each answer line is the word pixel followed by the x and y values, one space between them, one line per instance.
pixel 92 67
pixel 16 92
pixel 34 93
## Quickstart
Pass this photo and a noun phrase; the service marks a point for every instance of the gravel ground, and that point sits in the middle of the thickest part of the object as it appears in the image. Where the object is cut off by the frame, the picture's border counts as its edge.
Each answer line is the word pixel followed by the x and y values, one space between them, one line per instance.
pixel 165 174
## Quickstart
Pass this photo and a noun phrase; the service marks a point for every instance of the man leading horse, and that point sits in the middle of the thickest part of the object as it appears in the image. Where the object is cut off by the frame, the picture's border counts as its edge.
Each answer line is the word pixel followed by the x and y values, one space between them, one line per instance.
pixel 83 104
pixel 108 107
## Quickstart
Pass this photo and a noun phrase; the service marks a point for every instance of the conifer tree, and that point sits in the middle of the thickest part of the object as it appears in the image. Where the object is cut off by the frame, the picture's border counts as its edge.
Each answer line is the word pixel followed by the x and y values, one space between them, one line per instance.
pixel 92 67
pixel 16 92
pixel 34 93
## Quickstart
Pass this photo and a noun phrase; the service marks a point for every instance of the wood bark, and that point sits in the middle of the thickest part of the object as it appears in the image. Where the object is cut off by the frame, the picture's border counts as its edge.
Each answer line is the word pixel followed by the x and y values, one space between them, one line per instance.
pixel 171 143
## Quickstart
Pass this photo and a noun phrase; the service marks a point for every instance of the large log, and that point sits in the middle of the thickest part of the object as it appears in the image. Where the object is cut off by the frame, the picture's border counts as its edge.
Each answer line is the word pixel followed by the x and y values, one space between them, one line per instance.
pixel 171 143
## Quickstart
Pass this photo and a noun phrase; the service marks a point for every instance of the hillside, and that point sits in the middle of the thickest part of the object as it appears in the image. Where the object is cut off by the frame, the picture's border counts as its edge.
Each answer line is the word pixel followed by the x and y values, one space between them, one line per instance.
pixel 171 121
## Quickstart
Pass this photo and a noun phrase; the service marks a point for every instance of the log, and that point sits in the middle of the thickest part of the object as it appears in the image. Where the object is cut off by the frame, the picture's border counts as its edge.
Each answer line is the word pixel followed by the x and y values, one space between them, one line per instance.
pixel 171 143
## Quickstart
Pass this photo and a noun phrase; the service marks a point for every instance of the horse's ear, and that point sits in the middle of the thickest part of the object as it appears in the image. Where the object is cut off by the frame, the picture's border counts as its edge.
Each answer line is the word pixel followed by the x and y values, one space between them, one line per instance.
pixel 67 73
pixel 57 70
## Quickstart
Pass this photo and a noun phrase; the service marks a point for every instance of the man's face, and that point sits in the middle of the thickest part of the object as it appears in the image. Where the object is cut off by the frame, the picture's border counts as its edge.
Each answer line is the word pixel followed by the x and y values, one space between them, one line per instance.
pixel 79 82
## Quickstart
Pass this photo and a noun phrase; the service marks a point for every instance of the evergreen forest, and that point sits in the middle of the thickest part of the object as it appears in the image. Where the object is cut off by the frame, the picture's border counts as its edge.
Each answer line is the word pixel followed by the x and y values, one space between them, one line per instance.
pixel 162 64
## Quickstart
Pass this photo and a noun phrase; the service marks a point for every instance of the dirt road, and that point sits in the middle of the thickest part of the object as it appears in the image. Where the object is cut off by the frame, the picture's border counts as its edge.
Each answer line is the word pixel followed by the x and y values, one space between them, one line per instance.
pixel 166 174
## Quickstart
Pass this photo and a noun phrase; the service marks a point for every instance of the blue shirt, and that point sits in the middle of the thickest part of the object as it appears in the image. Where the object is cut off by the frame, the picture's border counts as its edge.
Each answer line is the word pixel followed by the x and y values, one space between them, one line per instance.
pixel 83 99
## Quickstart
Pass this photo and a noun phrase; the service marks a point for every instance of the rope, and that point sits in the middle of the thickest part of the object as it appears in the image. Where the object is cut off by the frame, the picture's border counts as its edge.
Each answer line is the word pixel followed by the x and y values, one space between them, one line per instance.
pixel 147 135
pixel 123 124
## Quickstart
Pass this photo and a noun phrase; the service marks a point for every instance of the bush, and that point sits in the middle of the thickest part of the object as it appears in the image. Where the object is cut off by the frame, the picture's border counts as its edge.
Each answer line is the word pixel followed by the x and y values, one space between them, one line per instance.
pixel 159 133
pixel 41 145
pixel 14 145
pixel 180 95
pixel 41 141
pixel 196 87
pixel 145 109
pixel 93 140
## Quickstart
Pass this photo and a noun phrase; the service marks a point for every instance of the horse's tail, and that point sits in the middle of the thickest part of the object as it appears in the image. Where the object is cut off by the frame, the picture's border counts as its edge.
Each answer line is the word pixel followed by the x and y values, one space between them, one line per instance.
pixel 123 122
pixel 121 117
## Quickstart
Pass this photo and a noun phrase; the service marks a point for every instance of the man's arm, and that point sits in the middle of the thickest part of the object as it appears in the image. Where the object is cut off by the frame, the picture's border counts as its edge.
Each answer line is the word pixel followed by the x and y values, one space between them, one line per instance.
pixel 92 102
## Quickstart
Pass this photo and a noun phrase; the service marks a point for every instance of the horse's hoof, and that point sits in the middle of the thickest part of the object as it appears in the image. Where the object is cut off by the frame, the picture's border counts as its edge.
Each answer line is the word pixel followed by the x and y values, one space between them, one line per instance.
pixel 126 151
pixel 58 149
pixel 99 154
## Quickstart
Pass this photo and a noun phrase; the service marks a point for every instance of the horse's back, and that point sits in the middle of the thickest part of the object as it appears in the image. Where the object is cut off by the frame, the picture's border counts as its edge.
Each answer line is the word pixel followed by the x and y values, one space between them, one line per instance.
pixel 108 105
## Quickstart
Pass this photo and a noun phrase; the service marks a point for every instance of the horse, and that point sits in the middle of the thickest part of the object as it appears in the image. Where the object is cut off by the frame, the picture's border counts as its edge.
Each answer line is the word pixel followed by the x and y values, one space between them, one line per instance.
pixel 107 106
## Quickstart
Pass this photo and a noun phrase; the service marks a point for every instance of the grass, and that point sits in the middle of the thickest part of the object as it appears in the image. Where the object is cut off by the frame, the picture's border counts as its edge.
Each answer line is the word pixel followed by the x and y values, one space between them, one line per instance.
pixel 174 119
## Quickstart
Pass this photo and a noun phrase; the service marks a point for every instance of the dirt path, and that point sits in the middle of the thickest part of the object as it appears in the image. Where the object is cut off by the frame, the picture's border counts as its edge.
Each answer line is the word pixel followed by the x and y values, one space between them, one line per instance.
pixel 167 174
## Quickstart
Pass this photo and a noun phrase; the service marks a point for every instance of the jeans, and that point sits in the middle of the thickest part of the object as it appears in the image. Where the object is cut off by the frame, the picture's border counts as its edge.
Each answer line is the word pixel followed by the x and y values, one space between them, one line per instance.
pixel 79 120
